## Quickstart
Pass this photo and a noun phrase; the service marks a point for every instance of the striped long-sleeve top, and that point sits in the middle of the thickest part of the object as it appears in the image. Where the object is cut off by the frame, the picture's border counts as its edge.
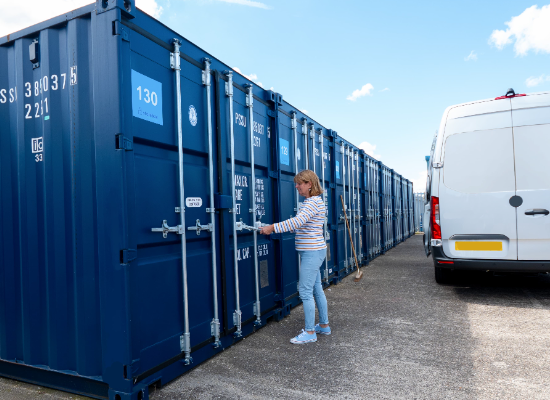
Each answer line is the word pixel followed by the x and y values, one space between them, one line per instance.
pixel 308 225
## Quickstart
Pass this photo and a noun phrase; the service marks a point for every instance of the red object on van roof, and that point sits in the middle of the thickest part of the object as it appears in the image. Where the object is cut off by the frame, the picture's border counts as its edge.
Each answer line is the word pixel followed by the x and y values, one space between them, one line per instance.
pixel 509 97
pixel 509 94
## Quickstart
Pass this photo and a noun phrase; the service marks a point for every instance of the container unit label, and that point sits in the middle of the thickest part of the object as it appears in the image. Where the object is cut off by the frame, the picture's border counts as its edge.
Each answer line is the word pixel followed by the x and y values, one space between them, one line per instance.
pixel 146 98
pixel 193 202
pixel 39 107
pixel 285 158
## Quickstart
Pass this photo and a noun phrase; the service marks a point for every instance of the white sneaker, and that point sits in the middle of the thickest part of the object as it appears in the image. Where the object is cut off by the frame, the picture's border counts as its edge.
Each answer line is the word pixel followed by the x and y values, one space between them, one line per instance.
pixel 304 337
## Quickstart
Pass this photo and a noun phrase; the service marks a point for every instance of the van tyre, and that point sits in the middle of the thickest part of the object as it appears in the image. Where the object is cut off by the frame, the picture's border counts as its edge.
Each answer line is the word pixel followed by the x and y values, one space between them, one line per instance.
pixel 443 275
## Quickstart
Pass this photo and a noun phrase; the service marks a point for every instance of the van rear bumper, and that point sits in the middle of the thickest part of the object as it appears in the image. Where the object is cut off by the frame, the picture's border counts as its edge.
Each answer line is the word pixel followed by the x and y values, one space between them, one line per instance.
pixel 488 265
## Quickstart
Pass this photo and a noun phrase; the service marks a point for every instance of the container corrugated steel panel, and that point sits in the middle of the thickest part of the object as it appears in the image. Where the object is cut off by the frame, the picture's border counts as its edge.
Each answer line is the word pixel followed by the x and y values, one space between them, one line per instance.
pixel 107 287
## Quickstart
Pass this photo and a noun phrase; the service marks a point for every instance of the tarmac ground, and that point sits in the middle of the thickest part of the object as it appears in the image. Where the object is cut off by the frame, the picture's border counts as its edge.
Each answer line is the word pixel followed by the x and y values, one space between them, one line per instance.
pixel 396 335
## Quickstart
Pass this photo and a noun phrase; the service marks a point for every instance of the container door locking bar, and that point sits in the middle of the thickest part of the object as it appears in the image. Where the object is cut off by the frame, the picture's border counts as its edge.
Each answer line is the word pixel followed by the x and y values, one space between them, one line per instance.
pixel 250 105
pixel 237 315
pixel 185 338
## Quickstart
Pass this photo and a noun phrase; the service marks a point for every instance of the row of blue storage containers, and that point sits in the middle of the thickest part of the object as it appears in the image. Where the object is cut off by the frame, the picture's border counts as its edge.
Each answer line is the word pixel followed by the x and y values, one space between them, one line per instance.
pixel 134 167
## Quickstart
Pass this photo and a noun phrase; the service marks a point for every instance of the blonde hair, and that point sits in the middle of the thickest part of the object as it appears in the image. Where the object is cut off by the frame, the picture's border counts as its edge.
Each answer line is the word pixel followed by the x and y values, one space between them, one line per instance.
pixel 309 176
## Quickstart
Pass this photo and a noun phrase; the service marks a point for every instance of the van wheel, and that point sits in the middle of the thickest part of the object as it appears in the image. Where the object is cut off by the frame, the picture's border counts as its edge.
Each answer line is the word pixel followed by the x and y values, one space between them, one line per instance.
pixel 443 275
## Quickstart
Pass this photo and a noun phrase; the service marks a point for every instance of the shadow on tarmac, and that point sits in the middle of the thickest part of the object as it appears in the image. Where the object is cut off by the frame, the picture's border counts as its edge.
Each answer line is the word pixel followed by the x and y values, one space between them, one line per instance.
pixel 510 290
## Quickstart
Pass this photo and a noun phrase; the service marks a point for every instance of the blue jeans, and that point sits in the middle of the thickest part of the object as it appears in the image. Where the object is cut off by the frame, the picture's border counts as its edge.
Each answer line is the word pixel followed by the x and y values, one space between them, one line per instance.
pixel 310 286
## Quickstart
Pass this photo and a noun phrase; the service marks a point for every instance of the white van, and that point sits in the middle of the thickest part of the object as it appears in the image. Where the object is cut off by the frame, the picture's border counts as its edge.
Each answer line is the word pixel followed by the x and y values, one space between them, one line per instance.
pixel 488 190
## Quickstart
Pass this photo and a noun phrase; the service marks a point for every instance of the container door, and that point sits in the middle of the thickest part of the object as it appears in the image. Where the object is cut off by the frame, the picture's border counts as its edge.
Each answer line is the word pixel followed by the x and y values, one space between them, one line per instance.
pixel 157 298
pixel 477 184
pixel 531 116
pixel 262 189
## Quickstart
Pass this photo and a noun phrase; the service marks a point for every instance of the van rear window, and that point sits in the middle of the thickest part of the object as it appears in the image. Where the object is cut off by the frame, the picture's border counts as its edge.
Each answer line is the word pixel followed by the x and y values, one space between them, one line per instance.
pixel 480 161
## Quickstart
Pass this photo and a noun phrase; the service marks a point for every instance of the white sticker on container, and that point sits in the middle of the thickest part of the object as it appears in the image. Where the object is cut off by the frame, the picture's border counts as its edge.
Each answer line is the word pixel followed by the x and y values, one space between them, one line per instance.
pixel 193 115
pixel 37 145
pixel 330 271
pixel 193 202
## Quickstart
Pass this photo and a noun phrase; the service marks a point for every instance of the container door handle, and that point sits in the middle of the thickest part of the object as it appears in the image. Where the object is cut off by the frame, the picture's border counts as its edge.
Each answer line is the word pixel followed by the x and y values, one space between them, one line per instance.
pixel 165 229
pixel 537 211
pixel 198 227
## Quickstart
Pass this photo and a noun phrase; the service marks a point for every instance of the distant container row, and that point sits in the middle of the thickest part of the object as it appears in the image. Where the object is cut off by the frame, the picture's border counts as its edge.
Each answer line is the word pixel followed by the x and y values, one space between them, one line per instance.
pixel 134 170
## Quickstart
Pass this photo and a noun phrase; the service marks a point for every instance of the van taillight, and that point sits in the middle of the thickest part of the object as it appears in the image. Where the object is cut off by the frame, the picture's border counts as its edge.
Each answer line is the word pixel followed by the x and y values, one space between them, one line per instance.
pixel 436 228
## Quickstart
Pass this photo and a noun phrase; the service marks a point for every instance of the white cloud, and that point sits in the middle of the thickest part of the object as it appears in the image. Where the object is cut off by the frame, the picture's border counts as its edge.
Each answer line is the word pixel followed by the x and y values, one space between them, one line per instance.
pixel 251 77
pixel 364 91
pixel 370 150
pixel 271 88
pixel 419 183
pixel 530 30
pixel 151 7
pixel 385 89
pixel 471 57
pixel 249 3
pixel 304 111
pixel 535 81
pixel 22 14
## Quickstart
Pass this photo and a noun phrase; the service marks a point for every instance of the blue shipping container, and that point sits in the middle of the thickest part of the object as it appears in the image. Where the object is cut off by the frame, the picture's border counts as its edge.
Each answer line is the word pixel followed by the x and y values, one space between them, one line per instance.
pixel 135 169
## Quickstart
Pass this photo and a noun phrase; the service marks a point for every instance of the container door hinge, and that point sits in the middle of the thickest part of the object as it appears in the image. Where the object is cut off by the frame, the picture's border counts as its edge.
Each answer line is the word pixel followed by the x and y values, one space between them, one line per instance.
pixel 438 165
pixel 118 30
pixel 271 113
pixel 215 332
pixel 127 256
pixel 273 174
pixel 123 143
pixel 237 316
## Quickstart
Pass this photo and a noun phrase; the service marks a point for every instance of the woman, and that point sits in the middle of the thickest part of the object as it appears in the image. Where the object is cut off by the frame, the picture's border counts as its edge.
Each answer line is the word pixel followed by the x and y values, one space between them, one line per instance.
pixel 312 249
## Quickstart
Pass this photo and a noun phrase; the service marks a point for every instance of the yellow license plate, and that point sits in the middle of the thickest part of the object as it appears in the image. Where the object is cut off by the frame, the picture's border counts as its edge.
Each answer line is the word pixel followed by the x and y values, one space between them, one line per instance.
pixel 478 246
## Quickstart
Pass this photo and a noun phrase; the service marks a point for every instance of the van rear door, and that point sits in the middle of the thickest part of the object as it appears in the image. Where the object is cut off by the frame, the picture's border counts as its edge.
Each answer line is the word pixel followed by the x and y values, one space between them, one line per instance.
pixel 477 181
pixel 531 116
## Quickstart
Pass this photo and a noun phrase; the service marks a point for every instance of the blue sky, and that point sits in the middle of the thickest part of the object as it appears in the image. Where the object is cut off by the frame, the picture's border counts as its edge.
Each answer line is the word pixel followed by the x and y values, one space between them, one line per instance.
pixel 412 59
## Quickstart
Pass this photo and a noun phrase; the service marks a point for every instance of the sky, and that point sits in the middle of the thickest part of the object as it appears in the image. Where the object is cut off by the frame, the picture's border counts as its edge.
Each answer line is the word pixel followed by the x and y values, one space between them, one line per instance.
pixel 379 73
